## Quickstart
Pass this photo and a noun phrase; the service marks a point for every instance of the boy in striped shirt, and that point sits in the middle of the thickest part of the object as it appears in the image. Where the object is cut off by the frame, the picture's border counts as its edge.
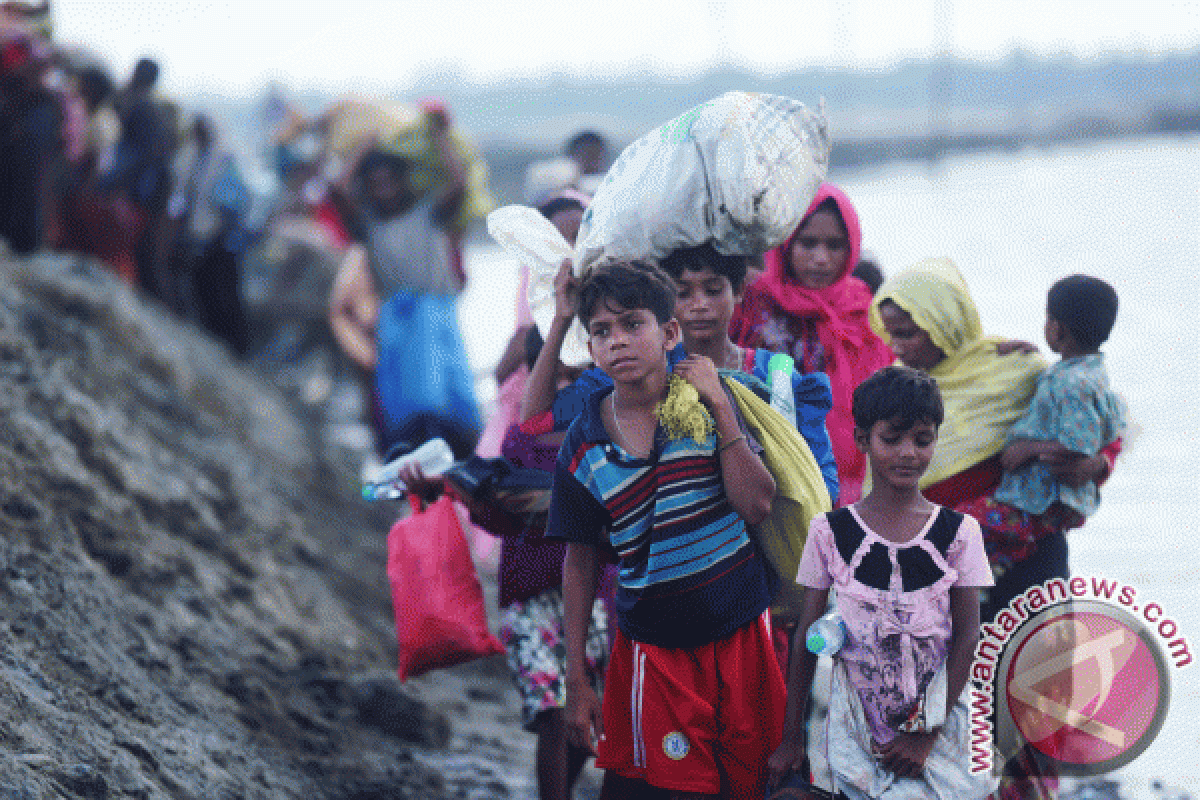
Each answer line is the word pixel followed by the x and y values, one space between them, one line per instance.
pixel 694 696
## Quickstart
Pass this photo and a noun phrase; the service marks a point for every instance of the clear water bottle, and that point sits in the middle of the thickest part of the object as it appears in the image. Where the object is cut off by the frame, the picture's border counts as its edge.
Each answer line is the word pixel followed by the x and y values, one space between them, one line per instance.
pixel 779 378
pixel 827 635
pixel 434 458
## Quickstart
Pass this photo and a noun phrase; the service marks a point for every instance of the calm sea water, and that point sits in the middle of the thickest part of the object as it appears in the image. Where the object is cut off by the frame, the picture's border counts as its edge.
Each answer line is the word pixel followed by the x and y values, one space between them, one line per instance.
pixel 1128 212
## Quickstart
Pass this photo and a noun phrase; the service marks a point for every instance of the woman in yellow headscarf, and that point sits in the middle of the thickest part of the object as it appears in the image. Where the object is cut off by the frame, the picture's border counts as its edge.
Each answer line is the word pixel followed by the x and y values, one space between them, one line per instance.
pixel 927 316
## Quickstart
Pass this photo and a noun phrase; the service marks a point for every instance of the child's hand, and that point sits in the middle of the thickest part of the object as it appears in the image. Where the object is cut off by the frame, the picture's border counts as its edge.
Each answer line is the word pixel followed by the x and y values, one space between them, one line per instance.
pixel 566 291
pixel 585 718
pixel 905 755
pixel 1015 346
pixel 415 481
pixel 1070 467
pixel 701 373
pixel 790 757
pixel 1018 454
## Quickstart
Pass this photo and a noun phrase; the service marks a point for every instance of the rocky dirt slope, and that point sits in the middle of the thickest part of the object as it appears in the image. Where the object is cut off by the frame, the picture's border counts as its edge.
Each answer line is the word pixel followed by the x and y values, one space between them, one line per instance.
pixel 192 598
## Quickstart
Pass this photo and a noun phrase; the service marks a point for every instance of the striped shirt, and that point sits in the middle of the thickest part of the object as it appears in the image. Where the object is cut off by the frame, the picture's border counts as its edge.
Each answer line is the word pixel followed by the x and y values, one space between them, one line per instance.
pixel 688 571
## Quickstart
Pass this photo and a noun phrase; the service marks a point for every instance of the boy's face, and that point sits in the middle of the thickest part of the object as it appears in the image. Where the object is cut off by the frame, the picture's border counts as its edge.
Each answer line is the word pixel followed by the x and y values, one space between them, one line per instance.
pixel 1055 334
pixel 704 305
pixel 629 344
pixel 898 458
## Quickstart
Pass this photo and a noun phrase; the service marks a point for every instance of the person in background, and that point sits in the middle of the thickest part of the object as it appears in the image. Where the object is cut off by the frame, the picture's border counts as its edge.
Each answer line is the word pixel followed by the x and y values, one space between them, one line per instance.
pixel 531 604
pixel 710 285
pixel 868 271
pixel 424 383
pixel 589 151
pixel 1073 415
pixel 565 211
pixel 96 221
pixel 31 131
pixel 141 169
pixel 209 199
pixel 808 304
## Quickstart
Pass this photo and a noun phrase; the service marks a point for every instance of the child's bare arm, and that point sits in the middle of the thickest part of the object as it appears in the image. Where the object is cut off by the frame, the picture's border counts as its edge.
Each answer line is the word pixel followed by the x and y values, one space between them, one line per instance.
pixel 513 356
pixel 791 755
pixel 354 307
pixel 1020 452
pixel 584 720
pixel 451 194
pixel 964 637
pixel 748 485
pixel 1073 468
pixel 542 385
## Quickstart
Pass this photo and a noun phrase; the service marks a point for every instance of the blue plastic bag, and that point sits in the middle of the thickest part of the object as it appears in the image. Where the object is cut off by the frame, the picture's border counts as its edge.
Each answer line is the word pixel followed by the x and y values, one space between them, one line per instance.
pixel 422 364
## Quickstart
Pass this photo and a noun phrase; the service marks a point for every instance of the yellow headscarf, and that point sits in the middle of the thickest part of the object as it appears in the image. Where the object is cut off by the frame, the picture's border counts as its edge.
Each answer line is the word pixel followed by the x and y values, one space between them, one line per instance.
pixel 984 393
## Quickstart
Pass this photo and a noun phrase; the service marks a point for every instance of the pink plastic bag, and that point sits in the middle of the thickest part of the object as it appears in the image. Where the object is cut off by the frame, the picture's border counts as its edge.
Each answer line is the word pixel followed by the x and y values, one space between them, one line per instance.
pixel 441 619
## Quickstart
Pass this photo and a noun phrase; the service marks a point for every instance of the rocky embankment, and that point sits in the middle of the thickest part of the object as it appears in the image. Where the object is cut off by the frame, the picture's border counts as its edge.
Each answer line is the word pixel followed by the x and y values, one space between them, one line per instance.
pixel 192 598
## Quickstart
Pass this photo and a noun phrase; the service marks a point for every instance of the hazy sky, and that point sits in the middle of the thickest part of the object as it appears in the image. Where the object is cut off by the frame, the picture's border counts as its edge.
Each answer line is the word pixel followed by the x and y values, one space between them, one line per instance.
pixel 365 44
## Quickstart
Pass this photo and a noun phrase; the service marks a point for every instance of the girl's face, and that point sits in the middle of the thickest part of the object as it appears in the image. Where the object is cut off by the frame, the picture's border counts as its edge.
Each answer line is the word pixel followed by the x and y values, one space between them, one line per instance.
pixel 704 305
pixel 898 457
pixel 911 345
pixel 819 251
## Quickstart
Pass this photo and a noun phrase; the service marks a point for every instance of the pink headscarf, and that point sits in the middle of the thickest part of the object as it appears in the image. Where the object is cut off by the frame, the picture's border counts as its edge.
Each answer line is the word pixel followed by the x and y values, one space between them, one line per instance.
pixel 852 350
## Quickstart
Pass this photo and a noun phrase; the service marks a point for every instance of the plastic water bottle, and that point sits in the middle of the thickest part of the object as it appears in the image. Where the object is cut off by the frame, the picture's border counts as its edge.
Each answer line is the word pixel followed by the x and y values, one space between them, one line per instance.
pixel 779 378
pixel 827 635
pixel 434 457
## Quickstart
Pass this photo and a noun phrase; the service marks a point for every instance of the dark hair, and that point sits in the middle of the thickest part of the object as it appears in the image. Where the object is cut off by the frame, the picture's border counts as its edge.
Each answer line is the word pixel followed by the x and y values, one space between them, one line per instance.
pixel 868 272
pixel 95 86
pixel 705 256
pixel 900 395
pixel 585 138
pixel 1085 306
pixel 628 284
pixel 533 346
pixel 145 73
pixel 828 204
pixel 558 204
pixel 399 166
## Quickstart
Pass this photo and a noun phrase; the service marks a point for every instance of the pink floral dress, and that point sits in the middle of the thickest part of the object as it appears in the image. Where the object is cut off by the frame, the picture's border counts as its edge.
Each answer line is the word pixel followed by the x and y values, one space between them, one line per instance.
pixel 894 598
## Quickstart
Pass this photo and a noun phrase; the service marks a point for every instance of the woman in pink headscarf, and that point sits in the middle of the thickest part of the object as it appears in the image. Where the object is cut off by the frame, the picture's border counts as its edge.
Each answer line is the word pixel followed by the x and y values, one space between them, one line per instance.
pixel 808 304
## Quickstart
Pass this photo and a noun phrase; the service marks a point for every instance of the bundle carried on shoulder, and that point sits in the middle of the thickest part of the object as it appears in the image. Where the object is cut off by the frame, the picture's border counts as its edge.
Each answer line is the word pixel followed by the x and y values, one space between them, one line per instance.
pixel 800 493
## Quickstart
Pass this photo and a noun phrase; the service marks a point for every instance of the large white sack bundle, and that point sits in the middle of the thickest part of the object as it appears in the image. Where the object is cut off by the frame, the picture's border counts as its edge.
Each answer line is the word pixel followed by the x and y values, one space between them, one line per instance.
pixel 739 170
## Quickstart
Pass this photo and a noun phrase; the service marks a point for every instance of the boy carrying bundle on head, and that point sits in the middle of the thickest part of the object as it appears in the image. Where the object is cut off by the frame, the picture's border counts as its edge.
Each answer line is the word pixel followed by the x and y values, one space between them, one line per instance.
pixel 694 695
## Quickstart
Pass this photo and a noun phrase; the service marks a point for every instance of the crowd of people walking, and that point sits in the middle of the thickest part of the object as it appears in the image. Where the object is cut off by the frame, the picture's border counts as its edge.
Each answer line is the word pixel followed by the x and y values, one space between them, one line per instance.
pixel 642 619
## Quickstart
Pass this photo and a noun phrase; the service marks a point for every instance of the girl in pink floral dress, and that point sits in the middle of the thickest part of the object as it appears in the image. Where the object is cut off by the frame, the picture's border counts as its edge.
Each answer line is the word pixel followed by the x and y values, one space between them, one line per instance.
pixel 907 575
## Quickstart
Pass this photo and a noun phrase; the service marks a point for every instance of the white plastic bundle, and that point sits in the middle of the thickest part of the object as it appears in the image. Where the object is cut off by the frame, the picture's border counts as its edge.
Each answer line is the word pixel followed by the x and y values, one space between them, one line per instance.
pixel 534 241
pixel 739 170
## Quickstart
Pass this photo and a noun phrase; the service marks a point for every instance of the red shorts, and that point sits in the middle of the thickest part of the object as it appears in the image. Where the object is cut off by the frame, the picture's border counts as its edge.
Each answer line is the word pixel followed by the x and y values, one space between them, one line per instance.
pixel 703 719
